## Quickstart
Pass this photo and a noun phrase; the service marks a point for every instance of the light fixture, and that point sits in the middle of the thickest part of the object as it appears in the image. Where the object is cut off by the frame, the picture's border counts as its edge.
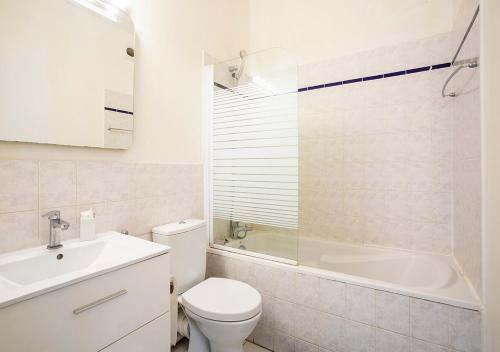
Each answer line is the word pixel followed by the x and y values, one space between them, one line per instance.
pixel 101 8
pixel 121 4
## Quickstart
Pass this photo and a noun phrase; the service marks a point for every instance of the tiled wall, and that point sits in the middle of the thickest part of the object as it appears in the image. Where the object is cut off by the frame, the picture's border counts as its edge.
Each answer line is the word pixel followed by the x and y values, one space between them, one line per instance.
pixel 306 313
pixel 376 155
pixel 467 155
pixel 135 197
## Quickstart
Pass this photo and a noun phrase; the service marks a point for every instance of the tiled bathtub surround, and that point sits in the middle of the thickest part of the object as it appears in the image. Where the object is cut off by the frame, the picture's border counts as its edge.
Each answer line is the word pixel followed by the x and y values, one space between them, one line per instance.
pixel 376 156
pixel 135 197
pixel 304 312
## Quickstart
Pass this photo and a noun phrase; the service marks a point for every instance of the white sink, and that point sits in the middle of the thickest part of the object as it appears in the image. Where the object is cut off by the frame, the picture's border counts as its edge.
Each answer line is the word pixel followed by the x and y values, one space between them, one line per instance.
pixel 34 271
pixel 51 264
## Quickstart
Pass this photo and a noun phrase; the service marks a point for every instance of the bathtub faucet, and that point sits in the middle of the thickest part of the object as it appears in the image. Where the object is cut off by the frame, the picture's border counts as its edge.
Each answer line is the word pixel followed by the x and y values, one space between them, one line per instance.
pixel 237 228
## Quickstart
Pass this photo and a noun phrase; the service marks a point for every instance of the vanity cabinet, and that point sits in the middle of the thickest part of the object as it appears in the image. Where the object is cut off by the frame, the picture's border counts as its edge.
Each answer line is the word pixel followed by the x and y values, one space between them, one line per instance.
pixel 116 311
pixel 152 337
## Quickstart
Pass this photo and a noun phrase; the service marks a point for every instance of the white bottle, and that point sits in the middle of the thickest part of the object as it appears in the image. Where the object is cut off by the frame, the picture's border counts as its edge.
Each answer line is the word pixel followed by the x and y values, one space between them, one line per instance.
pixel 87 225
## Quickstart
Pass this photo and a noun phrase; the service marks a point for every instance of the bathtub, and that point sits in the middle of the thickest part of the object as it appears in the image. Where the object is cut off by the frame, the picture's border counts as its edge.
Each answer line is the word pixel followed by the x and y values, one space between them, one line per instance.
pixel 428 276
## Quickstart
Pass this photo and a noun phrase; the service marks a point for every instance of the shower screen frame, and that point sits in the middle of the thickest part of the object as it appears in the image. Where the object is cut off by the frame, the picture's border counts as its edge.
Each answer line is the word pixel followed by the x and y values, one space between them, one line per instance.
pixel 208 115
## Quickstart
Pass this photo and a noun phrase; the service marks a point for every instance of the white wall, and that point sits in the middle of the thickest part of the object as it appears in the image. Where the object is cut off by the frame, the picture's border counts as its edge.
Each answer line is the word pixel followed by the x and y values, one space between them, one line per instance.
pixel 316 30
pixel 170 38
pixel 490 30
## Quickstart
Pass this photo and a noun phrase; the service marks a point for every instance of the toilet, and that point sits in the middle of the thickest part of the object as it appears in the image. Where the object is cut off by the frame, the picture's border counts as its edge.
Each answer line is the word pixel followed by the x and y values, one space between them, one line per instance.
pixel 222 313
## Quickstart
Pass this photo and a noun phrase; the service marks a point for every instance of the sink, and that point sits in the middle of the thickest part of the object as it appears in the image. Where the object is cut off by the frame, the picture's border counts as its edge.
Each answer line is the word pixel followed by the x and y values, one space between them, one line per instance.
pixel 52 264
pixel 34 271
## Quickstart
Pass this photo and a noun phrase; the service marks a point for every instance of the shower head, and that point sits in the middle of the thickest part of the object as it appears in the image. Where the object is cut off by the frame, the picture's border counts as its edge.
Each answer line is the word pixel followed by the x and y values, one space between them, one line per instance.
pixel 237 72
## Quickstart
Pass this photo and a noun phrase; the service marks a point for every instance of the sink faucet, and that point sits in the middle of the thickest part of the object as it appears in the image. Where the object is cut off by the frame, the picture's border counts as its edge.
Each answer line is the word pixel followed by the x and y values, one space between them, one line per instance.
pixel 55 222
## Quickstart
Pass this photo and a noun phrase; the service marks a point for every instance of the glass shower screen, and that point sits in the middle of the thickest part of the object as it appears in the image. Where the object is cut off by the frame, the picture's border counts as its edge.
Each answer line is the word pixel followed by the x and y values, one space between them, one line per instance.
pixel 254 152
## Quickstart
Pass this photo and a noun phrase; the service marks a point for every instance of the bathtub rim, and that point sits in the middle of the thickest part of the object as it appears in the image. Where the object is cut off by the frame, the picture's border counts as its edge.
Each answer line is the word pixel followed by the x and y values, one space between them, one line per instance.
pixel 473 304
pixel 245 252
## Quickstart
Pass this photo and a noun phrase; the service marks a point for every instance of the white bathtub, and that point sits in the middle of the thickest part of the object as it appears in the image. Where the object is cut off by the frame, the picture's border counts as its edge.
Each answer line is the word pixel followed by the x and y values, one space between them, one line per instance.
pixel 429 276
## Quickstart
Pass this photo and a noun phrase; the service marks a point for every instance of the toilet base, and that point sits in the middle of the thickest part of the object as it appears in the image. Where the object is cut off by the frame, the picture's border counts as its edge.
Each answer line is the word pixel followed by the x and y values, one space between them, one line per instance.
pixel 214 347
pixel 213 336
pixel 197 341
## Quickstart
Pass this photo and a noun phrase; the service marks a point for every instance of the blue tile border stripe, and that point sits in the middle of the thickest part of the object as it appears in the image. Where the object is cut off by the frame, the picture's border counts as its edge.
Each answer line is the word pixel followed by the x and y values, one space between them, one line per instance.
pixel 316 87
pixel 371 78
pixel 394 74
pixel 375 77
pixel 418 69
pixel 118 111
pixel 350 81
pixel 333 84
pixel 437 67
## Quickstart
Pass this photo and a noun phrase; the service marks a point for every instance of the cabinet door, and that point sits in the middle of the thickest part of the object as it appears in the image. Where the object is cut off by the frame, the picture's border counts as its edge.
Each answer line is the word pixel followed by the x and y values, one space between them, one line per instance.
pixel 152 337
pixel 89 315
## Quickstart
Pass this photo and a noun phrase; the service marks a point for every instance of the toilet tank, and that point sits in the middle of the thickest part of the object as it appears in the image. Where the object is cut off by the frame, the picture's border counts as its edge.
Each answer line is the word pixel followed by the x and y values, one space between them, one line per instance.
pixel 188 256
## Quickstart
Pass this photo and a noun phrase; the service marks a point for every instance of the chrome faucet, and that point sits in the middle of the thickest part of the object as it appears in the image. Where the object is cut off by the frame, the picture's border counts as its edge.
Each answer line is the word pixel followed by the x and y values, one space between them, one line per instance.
pixel 55 222
pixel 237 228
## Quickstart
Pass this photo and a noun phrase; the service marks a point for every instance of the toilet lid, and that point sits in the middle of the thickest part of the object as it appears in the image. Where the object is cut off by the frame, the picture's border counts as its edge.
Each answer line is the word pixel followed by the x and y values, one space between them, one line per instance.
pixel 223 300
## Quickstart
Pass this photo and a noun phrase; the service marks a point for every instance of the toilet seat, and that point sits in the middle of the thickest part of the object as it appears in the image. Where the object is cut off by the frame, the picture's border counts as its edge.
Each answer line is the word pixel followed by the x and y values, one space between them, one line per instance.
pixel 223 300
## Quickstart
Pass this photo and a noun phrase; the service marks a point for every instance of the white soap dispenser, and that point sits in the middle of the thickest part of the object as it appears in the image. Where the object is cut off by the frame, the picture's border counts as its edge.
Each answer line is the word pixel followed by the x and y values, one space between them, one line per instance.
pixel 87 225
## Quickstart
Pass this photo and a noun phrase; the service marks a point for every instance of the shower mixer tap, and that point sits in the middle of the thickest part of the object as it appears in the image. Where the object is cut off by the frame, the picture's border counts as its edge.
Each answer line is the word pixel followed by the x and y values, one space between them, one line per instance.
pixel 237 228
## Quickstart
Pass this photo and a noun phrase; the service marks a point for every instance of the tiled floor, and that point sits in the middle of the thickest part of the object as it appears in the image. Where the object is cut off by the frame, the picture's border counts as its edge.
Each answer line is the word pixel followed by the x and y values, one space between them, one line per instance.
pixel 248 347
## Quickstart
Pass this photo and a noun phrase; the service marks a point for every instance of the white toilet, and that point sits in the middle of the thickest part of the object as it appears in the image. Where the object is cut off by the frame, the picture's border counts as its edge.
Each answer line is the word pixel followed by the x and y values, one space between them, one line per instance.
pixel 222 313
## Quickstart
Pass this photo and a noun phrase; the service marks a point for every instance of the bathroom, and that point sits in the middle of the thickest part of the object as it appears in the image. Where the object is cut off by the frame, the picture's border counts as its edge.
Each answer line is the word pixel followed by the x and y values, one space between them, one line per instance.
pixel 249 175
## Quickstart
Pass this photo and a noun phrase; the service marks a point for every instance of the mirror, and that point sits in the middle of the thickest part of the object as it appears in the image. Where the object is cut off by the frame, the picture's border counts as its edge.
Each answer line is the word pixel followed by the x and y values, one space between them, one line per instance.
pixel 66 73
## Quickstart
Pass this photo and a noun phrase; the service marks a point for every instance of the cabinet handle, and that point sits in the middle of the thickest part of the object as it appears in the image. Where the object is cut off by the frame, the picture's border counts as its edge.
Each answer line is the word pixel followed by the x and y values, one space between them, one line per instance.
pixel 99 302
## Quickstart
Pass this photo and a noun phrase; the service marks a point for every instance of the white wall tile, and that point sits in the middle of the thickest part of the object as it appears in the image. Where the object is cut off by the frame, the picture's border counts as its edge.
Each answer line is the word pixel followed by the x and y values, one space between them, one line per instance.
pixel 123 216
pixel 284 284
pixel 429 321
pixel 393 312
pixel 268 311
pixel 332 331
pixel 283 311
pixel 306 290
pixel 120 181
pixel 19 230
pixel 306 324
pixel 92 186
pixel 465 329
pixel 18 185
pixel 263 337
pixel 332 297
pixel 359 337
pixel 261 277
pixel 387 341
pixel 57 183
pixel 396 136
pixel 109 188
pixel 422 346
pixel 283 343
pixel 303 346
pixel 360 304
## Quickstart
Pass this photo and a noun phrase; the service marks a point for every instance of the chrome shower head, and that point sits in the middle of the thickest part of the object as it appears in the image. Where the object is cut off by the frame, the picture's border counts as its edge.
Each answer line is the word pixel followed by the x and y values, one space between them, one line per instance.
pixel 237 72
